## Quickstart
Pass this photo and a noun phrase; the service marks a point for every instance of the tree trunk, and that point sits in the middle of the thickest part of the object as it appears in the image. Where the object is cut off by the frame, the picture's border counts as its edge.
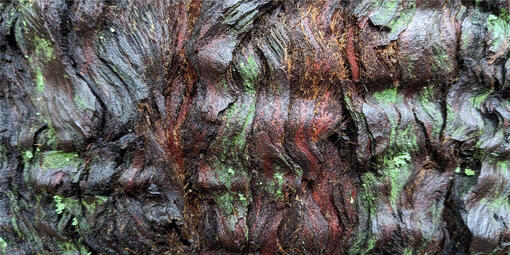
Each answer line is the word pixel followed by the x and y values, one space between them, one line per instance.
pixel 272 127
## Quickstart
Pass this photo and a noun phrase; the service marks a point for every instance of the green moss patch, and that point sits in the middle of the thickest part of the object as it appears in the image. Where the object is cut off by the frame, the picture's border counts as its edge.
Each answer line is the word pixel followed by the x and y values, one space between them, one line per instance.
pixel 499 29
pixel 432 110
pixel 27 155
pixel 387 96
pixel 249 71
pixel 39 79
pixel 384 14
pixel 66 205
pixel 477 100
pixel 469 172
pixel 3 245
pixel 80 102
pixel 43 50
pixel 90 203
pixel 59 159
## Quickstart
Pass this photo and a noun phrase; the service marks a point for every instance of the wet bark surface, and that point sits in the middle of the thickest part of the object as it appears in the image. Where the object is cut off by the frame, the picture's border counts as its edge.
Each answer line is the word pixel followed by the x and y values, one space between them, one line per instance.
pixel 273 127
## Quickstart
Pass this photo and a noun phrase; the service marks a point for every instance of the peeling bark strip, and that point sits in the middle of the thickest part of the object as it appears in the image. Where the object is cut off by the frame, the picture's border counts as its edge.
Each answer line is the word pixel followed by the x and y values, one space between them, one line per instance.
pixel 272 127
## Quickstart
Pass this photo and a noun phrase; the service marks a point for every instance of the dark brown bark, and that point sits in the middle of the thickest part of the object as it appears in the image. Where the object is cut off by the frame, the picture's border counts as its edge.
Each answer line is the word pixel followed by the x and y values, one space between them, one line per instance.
pixel 292 127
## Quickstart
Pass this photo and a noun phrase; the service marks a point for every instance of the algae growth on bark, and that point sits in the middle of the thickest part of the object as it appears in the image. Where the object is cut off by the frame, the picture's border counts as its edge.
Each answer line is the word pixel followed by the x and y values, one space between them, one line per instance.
pixel 264 127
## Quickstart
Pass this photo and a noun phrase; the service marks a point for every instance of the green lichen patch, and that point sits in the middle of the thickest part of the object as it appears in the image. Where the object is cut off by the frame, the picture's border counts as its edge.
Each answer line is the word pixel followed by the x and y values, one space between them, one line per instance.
pixel 49 137
pixel 396 163
pixel 233 156
pixel 16 209
pixel 232 160
pixel 75 222
pixel 225 174
pixel 39 79
pixel 242 198
pixel 59 159
pixel 441 59
pixel 384 14
pixel 387 96
pixel 396 168
pixel 80 102
pixel 68 247
pixel 401 140
pixel 499 31
pixel 457 128
pixel 279 183
pixel 469 172
pixel 504 15
pixel 502 166
pixel 450 114
pixel 399 24
pixel 367 190
pixel 91 203
pixel 274 186
pixel 478 99
pixel 3 246
pixel 27 155
pixel 69 209
pixel 249 71
pixel 363 244
pixel 500 203
pixel 234 206
pixel 366 241
pixel 66 204
pixel 43 50
pixel 432 110
pixel 466 39
pixel 227 202
pixel 372 241
pixel 240 139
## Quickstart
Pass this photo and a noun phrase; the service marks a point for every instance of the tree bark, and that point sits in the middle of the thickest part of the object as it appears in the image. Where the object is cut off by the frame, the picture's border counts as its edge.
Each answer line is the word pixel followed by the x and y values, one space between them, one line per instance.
pixel 272 127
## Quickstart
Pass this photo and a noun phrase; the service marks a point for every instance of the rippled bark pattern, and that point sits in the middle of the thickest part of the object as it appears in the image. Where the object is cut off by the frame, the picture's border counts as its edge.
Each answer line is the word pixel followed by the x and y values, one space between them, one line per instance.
pixel 272 127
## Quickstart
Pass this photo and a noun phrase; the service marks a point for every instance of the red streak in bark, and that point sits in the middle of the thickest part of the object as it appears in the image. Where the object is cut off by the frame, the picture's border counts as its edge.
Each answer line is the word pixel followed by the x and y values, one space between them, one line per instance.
pixel 303 146
pixel 57 178
pixel 322 196
pixel 269 245
pixel 351 56
pixel 130 181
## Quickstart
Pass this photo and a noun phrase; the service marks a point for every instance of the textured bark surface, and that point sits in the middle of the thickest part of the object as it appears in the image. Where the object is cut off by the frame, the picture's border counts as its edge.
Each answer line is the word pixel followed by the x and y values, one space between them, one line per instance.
pixel 292 127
